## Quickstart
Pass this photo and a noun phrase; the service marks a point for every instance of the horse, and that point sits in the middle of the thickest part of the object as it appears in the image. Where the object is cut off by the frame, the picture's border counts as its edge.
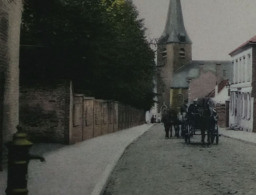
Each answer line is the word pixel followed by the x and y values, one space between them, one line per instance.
pixel 170 121
pixel 207 120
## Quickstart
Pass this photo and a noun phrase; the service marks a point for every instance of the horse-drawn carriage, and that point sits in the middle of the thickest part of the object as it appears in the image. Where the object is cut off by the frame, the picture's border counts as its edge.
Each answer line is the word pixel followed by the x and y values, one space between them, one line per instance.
pixel 201 120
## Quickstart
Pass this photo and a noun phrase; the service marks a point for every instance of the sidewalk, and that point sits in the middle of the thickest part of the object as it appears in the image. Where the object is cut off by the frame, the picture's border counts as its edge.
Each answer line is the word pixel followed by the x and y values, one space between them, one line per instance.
pixel 83 168
pixel 80 169
pixel 239 135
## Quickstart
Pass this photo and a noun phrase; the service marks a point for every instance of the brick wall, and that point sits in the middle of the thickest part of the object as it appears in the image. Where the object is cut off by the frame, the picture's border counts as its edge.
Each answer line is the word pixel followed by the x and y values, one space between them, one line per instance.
pixel 98 118
pixel 45 111
pixel 88 118
pixel 95 117
pixel 221 111
pixel 206 81
pixel 50 112
pixel 77 130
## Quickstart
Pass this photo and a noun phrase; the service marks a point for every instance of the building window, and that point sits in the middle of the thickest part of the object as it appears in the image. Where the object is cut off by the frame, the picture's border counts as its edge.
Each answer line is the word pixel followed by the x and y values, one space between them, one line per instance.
pixel 182 37
pixel 182 53
pixel 240 74
pixel 233 70
pixel 245 106
pixel 236 71
pixel 241 104
pixel 164 52
pixel 249 68
pixel 232 103
pixel 237 106
pixel 243 69
pixel 249 106
pixel 224 73
pixel 246 70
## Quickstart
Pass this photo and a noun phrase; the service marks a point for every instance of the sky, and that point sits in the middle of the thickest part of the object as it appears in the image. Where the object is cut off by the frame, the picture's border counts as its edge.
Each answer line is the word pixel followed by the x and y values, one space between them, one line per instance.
pixel 216 27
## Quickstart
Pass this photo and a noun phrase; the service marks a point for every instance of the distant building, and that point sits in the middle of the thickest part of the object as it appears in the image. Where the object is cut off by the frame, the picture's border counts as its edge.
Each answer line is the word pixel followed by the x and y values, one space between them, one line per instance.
pixel 198 78
pixel 179 78
pixel 243 87
pixel 221 97
pixel 174 51
pixel 221 93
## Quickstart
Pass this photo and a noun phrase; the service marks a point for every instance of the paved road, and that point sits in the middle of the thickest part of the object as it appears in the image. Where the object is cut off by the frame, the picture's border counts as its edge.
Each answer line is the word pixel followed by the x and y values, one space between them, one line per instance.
pixel 154 165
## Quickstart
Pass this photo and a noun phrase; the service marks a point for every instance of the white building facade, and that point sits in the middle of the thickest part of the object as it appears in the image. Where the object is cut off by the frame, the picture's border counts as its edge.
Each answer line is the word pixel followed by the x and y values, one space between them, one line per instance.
pixel 241 89
pixel 221 95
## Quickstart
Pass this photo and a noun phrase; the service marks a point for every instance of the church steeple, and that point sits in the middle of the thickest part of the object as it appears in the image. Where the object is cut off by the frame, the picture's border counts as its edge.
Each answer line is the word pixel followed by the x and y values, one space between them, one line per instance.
pixel 175 31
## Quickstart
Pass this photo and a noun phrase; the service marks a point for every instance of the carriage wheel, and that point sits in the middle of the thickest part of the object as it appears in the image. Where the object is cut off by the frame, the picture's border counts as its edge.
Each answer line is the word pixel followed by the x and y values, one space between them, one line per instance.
pixel 192 131
pixel 209 137
pixel 217 136
pixel 212 137
pixel 187 139
pixel 187 135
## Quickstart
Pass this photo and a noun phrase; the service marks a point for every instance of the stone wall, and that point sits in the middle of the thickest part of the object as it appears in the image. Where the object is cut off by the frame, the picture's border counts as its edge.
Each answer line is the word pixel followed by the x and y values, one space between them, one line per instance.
pixel 45 111
pixel 50 112
pixel 95 117
pixel 88 118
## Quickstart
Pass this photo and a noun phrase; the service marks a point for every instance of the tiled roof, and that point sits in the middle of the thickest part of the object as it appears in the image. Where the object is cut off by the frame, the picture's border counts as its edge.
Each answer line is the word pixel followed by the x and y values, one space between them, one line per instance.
pixel 211 94
pixel 192 71
pixel 222 84
pixel 250 41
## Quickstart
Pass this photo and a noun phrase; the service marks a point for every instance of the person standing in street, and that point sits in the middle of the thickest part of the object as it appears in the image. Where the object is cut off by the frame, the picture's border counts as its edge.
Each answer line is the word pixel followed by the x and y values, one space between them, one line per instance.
pixel 167 122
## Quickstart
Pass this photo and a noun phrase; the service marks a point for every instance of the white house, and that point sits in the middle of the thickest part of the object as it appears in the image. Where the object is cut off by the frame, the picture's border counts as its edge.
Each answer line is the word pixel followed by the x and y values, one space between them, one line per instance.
pixel 221 97
pixel 242 88
pixel 221 93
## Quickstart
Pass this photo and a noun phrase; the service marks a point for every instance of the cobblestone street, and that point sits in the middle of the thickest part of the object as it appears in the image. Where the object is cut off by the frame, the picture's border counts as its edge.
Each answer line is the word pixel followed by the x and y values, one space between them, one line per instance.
pixel 154 165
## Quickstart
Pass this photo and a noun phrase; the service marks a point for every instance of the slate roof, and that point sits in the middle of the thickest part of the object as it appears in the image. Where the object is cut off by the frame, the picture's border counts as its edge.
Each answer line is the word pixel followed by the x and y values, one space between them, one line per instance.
pixel 192 71
pixel 175 31
pixel 247 43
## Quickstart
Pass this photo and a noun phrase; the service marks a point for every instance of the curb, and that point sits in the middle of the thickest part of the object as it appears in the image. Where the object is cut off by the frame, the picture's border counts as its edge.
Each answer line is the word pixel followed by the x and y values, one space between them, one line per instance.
pixel 239 139
pixel 100 186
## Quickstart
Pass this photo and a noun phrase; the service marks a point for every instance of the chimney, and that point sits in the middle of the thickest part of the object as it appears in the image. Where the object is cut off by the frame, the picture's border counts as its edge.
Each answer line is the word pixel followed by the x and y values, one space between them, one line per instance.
pixel 201 68
pixel 218 73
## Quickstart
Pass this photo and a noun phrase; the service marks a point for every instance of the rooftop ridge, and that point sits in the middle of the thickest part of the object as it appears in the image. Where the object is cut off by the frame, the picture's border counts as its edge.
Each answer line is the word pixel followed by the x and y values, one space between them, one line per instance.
pixel 250 41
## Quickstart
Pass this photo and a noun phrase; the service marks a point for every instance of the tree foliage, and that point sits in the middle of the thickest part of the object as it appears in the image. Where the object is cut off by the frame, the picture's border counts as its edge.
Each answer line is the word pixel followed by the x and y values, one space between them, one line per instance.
pixel 99 44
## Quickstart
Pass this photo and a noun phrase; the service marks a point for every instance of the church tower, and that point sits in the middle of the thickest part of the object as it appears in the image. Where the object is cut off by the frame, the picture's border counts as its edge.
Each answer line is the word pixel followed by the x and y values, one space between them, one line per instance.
pixel 173 52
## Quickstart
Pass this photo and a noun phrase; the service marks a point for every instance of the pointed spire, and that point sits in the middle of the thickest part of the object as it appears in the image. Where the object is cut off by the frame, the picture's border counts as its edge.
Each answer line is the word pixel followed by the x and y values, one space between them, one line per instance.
pixel 175 31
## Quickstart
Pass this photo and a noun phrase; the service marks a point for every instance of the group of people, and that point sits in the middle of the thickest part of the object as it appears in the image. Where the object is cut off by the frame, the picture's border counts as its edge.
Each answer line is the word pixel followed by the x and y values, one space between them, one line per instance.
pixel 177 120
pixel 174 120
